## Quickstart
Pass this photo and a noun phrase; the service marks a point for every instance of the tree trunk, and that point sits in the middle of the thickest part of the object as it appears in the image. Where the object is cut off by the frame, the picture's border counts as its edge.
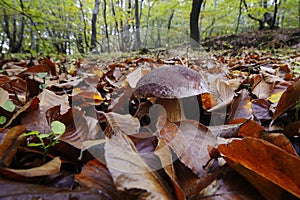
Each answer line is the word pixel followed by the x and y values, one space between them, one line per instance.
pixel 94 24
pixel 299 13
pixel 239 17
pixel 116 23
pixel 137 25
pixel 82 19
pixel 275 14
pixel 169 26
pixel 194 27
pixel 105 25
pixel 147 24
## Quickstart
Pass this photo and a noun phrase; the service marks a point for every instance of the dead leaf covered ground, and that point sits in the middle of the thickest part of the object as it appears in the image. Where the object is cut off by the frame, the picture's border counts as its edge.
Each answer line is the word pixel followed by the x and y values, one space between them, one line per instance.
pixel 237 135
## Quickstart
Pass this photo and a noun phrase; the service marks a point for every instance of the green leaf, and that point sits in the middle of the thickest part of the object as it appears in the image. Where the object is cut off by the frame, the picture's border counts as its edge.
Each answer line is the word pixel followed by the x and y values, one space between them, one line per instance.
pixel 9 106
pixel 58 127
pixel 31 133
pixel 42 74
pixel 41 136
pixel 2 120
pixel 35 144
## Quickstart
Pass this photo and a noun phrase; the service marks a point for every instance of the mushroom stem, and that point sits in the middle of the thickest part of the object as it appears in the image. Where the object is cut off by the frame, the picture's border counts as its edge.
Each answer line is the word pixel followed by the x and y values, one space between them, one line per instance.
pixel 173 108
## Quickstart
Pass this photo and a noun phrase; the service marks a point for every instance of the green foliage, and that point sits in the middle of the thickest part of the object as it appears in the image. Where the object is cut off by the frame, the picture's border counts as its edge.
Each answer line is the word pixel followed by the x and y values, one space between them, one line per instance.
pixel 8 106
pixel 46 141
pixel 3 120
pixel 59 26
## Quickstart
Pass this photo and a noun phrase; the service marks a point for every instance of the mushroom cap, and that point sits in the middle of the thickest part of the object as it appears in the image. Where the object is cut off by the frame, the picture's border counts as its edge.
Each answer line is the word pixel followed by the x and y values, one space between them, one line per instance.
pixel 171 81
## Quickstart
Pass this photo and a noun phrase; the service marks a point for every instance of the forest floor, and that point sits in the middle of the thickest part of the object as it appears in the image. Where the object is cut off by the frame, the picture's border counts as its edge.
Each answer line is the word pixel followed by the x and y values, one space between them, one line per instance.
pixel 264 39
pixel 75 129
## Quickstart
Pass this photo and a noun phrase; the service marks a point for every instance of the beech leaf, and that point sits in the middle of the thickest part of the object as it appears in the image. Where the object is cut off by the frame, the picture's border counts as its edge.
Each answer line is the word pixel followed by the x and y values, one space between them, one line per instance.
pixel 258 158
pixel 128 169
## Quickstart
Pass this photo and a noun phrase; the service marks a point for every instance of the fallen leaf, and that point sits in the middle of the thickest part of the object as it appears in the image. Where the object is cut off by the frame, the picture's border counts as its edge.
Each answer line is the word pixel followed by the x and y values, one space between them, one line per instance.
pixel 288 99
pixel 258 158
pixel 4 96
pixel 128 169
pixel 125 123
pixel 9 145
pixel 241 106
pixel 189 139
pixel 49 168
pixel 163 151
pixel 95 175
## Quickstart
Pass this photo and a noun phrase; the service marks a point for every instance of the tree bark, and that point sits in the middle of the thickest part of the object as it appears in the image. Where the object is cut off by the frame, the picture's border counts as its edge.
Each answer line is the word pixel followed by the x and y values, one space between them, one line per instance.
pixel 194 26
pixel 94 25
pixel 275 14
pixel 137 25
pixel 239 17
pixel 105 25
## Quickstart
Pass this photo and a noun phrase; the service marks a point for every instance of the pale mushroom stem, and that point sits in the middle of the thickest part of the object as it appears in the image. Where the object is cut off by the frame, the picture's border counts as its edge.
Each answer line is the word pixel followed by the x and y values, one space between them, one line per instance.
pixel 173 108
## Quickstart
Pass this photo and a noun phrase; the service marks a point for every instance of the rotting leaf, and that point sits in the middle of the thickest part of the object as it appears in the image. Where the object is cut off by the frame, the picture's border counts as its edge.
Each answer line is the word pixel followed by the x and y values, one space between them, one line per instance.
pixel 259 158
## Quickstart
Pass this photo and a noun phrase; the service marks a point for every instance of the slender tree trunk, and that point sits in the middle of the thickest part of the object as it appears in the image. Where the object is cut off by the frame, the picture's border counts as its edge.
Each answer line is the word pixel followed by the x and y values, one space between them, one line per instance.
pixel 147 24
pixel 169 26
pixel 84 27
pixel 275 14
pixel 137 25
pixel 105 25
pixel 239 17
pixel 116 23
pixel 94 24
pixel 194 27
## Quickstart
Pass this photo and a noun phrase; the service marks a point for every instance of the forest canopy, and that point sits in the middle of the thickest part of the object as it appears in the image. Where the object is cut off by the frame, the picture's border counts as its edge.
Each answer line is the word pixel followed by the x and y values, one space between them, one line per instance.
pixel 85 26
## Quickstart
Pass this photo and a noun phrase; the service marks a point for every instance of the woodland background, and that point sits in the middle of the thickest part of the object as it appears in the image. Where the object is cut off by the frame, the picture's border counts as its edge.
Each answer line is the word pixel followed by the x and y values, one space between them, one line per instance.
pixel 84 26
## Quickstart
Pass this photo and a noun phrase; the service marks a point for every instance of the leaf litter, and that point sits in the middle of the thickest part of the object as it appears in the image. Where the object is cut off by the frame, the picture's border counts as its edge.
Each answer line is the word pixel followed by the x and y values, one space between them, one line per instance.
pixel 244 128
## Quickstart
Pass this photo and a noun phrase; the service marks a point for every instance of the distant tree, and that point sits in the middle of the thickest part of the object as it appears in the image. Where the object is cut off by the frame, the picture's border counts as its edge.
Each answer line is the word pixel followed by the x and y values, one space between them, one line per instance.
pixel 94 24
pixel 194 26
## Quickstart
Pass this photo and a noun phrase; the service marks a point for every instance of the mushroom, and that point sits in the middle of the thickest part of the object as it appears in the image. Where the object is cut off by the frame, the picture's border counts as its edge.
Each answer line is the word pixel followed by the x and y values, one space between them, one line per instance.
pixel 169 85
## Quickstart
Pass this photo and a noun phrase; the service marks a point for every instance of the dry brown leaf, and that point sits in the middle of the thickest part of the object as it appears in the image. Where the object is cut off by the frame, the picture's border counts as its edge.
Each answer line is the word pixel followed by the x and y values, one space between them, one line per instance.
pixel 189 140
pixel 124 123
pixel 129 171
pixel 249 128
pixel 4 96
pixel 288 99
pixel 95 175
pixel 241 106
pixel 255 158
pixel 164 153
pixel 9 145
pixel 49 168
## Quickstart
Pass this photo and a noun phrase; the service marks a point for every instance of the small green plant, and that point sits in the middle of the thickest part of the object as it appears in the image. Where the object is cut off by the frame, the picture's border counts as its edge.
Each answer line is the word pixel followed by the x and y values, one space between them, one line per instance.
pixel 46 141
pixel 42 75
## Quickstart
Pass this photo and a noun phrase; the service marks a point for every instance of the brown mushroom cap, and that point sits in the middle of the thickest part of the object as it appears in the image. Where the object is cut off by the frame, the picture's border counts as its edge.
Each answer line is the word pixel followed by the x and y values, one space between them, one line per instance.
pixel 171 81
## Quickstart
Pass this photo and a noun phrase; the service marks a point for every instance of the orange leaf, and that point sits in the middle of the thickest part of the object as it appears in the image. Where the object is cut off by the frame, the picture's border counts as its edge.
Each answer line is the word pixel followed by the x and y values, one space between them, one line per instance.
pixel 267 161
